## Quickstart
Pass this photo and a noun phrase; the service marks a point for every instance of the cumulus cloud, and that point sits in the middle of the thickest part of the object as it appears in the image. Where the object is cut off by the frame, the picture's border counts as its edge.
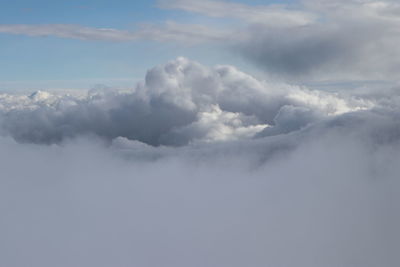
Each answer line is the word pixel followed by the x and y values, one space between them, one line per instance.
pixel 179 103
pixel 200 166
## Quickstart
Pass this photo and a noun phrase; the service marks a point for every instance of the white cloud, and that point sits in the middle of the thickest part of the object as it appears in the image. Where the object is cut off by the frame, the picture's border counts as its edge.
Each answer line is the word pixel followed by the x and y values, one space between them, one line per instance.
pixel 267 14
pixel 323 196
pixel 319 187
pixel 180 102
pixel 208 166
pixel 168 32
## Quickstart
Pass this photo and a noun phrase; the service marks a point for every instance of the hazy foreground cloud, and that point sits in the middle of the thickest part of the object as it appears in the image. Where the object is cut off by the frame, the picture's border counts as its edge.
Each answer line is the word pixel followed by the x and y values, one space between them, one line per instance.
pixel 280 176
pixel 329 199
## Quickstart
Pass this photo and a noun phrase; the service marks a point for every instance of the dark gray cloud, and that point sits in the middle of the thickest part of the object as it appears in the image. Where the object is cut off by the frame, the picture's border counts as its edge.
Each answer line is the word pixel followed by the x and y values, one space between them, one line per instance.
pixel 350 40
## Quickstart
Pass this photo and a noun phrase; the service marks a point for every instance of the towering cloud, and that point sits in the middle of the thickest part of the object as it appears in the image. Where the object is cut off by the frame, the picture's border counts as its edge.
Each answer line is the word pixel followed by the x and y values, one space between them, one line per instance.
pixel 179 103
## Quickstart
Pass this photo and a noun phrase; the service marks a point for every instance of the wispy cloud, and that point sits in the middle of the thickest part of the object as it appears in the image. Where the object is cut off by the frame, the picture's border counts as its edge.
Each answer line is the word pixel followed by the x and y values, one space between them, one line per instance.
pixel 168 32
pixel 266 14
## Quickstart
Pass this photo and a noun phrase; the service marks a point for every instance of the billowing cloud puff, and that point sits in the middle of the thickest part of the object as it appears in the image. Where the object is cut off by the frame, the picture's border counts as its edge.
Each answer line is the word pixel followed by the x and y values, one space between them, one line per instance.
pixel 179 103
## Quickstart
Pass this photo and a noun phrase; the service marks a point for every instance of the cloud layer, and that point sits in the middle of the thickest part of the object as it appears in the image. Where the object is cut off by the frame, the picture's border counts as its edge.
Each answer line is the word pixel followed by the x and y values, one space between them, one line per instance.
pixel 329 199
pixel 203 167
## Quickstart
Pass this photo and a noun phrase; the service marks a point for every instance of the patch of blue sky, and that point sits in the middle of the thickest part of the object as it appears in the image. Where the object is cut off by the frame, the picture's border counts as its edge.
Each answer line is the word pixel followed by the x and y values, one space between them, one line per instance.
pixel 24 58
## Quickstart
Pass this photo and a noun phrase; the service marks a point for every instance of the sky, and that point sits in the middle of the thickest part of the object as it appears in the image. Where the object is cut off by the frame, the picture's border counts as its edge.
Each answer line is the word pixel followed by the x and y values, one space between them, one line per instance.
pixel 81 44
pixel 50 62
pixel 214 133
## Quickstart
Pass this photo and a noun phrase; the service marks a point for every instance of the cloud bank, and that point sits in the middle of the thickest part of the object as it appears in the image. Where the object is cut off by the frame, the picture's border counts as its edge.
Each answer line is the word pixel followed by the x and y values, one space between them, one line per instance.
pixel 200 166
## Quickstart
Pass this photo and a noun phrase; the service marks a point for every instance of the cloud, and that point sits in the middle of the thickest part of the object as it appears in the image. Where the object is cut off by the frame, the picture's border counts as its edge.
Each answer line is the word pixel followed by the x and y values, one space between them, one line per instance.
pixel 209 166
pixel 169 174
pixel 179 103
pixel 308 41
pixel 168 32
pixel 265 14
pixel 326 195
pixel 350 40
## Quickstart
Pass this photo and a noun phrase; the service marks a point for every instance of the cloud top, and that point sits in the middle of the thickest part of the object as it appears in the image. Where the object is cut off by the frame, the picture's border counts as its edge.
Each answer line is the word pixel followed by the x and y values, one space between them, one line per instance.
pixel 178 103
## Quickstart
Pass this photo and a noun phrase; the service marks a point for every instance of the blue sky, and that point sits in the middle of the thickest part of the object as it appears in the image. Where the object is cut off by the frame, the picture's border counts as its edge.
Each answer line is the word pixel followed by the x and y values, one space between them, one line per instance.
pixel 51 62
pixel 80 44
pixel 32 62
